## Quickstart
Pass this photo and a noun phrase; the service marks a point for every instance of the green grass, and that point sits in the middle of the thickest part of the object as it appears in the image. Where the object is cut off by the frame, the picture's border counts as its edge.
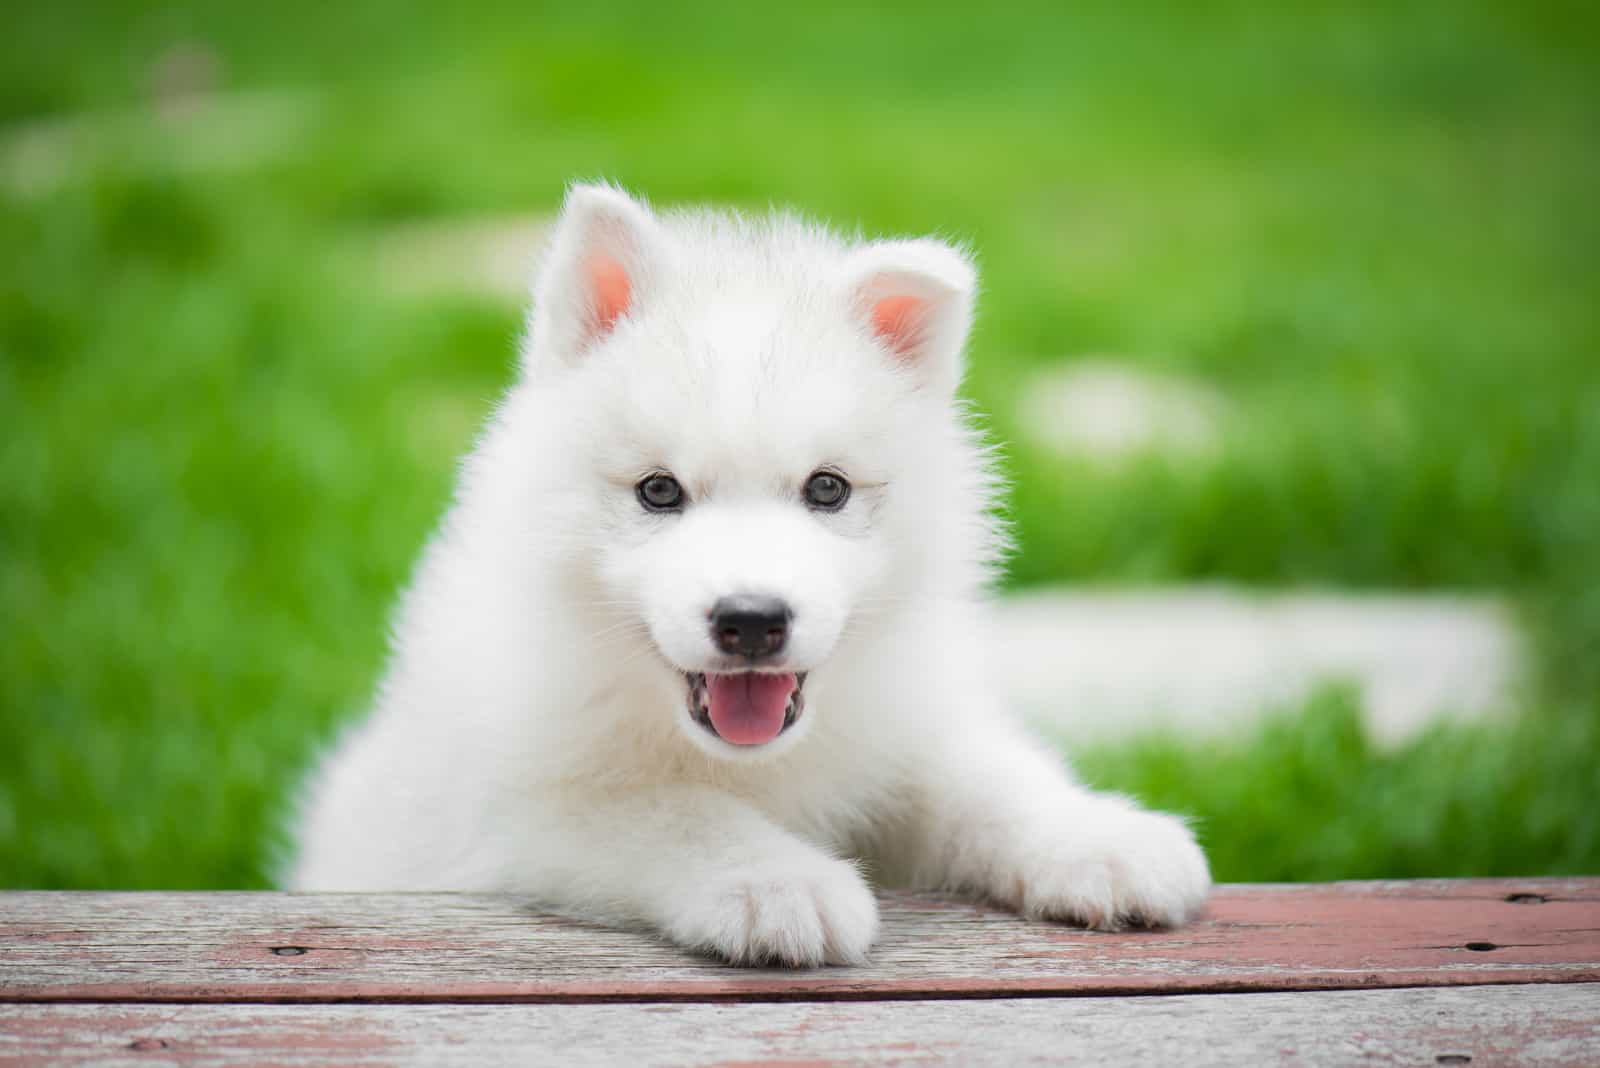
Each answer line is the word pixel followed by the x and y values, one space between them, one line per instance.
pixel 1371 229
pixel 1308 797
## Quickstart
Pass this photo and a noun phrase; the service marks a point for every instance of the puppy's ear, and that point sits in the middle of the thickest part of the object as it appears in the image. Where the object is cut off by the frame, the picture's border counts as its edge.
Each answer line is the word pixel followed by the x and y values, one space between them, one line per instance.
pixel 598 267
pixel 914 298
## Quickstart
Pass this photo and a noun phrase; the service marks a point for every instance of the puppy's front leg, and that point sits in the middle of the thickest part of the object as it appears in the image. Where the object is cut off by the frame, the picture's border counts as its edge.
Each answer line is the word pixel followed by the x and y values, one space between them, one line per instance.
pixel 998 816
pixel 707 870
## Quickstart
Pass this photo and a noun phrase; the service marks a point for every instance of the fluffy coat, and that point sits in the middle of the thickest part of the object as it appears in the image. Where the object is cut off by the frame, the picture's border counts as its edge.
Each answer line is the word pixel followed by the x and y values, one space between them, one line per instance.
pixel 536 731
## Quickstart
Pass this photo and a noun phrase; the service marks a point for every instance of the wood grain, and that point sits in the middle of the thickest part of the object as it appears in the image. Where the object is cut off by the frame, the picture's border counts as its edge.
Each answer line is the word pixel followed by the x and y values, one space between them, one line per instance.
pixel 1490 1025
pixel 268 947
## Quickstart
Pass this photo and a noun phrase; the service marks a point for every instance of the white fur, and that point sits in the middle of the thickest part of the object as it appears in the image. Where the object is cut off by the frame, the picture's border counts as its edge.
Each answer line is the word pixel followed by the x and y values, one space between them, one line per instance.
pixel 532 734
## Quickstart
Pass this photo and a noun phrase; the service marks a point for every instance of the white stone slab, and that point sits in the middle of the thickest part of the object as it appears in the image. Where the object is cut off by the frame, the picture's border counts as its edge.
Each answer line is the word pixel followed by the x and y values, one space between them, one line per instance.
pixel 1102 665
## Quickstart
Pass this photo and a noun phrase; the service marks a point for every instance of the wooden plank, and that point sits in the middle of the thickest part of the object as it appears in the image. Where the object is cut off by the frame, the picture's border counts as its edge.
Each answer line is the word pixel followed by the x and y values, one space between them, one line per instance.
pixel 286 947
pixel 1480 1026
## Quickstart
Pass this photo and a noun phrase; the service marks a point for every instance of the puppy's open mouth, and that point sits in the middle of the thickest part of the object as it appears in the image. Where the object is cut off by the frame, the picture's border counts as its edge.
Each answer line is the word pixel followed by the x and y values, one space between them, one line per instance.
pixel 747 707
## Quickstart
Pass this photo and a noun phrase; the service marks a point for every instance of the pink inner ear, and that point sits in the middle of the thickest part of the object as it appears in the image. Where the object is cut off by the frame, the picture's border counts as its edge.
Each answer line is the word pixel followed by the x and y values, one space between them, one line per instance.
pixel 611 289
pixel 898 321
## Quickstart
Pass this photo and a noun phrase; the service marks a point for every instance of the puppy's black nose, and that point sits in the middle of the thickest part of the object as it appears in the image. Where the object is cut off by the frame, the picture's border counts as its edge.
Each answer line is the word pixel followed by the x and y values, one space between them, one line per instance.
pixel 749 624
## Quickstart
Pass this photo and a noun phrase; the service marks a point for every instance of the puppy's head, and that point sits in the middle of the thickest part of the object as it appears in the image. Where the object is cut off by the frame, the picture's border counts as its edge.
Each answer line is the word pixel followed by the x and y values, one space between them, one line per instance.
pixel 768 450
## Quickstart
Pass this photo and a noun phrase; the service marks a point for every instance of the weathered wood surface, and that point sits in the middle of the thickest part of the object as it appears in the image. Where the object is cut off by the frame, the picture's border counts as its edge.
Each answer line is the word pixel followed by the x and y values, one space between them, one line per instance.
pixel 324 948
pixel 1480 1026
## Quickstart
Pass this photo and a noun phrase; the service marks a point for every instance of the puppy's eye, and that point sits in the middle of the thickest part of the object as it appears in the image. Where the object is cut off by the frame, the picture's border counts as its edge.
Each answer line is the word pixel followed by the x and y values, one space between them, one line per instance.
pixel 659 493
pixel 827 491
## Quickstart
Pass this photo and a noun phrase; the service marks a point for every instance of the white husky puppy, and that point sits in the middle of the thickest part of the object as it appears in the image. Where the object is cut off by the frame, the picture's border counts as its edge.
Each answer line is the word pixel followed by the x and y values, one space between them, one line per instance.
pixel 701 641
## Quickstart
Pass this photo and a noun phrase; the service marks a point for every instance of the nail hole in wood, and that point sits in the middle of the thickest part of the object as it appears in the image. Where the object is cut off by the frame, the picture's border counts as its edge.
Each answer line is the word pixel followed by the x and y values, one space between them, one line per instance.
pixel 145 1045
pixel 289 951
pixel 1526 899
pixel 1453 1058
pixel 1481 947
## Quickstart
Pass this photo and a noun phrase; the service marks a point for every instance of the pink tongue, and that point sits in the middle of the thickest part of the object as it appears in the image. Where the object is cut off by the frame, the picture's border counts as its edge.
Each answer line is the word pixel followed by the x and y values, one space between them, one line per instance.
pixel 748 708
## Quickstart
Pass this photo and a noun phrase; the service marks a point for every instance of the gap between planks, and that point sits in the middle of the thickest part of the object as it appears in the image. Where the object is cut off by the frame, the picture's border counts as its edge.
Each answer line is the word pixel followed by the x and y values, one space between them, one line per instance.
pixel 821 996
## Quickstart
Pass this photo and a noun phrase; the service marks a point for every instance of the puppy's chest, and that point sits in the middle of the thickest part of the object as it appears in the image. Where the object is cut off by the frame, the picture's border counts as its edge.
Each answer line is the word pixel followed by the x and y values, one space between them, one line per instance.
pixel 836 803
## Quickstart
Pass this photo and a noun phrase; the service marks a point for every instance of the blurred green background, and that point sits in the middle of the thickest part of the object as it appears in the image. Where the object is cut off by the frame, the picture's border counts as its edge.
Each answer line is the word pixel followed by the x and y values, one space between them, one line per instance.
pixel 232 399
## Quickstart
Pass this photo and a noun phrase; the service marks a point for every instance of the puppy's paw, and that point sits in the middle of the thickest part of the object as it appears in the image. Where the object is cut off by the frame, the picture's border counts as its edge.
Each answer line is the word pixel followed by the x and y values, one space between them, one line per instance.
pixel 803 913
pixel 1117 867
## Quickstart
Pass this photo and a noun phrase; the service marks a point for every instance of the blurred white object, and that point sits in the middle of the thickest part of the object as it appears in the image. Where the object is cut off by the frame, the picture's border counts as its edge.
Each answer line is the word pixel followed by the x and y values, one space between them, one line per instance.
pixel 491 255
pixel 1109 409
pixel 196 132
pixel 1098 665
